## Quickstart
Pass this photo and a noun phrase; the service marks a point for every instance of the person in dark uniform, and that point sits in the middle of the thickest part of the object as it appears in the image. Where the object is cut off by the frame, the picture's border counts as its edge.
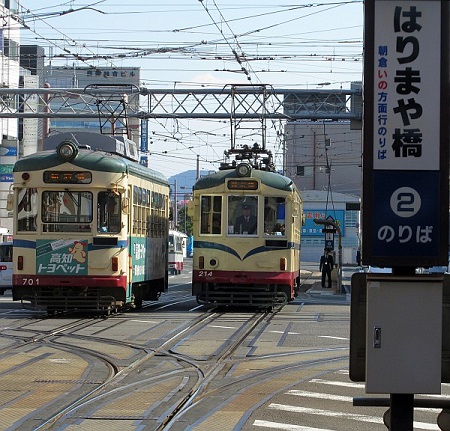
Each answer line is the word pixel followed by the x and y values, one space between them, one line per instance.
pixel 326 265
pixel 245 223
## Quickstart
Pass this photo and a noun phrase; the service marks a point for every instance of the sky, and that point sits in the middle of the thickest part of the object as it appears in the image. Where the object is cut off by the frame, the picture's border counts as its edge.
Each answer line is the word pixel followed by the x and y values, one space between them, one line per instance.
pixel 203 43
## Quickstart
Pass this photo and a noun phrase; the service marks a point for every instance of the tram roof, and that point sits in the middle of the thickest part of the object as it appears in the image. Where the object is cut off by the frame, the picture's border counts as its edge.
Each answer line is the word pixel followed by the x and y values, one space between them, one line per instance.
pixel 271 179
pixel 89 160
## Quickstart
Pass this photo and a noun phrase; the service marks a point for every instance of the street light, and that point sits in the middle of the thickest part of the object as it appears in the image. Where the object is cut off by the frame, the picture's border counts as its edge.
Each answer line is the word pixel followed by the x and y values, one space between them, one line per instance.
pixel 338 230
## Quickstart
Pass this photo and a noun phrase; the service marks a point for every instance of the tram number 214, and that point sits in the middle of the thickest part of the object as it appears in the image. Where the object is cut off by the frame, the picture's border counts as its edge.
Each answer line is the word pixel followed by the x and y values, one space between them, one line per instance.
pixel 205 273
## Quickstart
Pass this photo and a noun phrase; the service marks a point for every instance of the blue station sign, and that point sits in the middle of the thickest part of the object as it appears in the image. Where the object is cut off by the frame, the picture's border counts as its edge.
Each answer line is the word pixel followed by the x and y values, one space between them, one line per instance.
pixel 144 135
pixel 406 132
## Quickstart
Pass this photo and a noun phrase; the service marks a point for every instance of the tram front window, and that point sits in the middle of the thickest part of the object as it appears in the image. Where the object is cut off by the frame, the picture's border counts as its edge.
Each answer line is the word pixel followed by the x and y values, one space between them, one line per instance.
pixel 274 216
pixel 108 212
pixel 65 211
pixel 242 215
pixel 211 215
pixel 27 209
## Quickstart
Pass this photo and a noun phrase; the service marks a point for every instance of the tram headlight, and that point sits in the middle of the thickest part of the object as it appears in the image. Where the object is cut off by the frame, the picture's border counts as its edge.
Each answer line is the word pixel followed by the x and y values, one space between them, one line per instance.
pixel 213 262
pixel 67 150
pixel 243 170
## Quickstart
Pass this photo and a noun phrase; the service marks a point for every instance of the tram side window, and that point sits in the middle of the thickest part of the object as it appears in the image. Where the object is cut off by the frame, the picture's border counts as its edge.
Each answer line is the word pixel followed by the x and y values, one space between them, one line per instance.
pixel 158 218
pixel 211 215
pixel 108 212
pixel 27 209
pixel 242 215
pixel 274 216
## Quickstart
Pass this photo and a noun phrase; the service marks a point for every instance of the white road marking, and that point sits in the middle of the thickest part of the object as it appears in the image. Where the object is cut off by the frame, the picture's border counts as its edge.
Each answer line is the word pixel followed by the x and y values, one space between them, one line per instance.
pixel 334 338
pixel 321 396
pixel 282 332
pixel 328 413
pixel 335 383
pixel 285 427
pixel 346 415
pixel 222 327
pixel 144 321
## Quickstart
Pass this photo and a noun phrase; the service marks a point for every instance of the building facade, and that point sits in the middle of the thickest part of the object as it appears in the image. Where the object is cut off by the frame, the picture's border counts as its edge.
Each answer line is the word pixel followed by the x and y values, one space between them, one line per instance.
pixel 342 210
pixel 9 78
pixel 323 158
pixel 323 155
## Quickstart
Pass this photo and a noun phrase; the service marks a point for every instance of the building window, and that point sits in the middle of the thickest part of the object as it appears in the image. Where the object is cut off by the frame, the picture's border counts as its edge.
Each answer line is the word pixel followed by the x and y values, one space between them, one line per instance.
pixel 304 171
pixel 11 48
pixel 351 218
pixel 12 5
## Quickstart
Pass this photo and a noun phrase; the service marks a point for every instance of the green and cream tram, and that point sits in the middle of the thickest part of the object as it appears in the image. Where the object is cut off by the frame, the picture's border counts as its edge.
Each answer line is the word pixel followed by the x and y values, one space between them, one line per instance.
pixel 90 226
pixel 247 225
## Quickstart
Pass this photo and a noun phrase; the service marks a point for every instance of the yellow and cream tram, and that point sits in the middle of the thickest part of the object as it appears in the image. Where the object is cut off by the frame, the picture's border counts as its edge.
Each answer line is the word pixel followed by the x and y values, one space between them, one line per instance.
pixel 90 226
pixel 247 224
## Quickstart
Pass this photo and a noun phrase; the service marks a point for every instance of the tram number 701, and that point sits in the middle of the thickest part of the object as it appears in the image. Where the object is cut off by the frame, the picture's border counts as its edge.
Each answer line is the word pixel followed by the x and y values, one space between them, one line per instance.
pixel 30 281
pixel 205 273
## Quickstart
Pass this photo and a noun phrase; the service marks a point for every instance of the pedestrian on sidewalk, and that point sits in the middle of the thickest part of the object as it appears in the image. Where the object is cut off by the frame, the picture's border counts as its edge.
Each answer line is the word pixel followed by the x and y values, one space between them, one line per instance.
pixel 326 265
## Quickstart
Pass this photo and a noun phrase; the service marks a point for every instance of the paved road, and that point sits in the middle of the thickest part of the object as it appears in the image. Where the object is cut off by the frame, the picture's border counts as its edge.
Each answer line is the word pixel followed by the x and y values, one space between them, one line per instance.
pixel 288 372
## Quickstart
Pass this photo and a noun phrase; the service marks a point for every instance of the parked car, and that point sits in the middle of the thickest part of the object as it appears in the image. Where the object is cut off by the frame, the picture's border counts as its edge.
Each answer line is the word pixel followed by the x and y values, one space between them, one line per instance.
pixel 6 266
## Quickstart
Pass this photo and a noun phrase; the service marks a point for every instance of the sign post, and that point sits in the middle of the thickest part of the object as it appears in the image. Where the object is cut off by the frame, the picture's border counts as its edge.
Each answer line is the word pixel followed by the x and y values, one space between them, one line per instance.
pixel 330 222
pixel 405 214
pixel 406 130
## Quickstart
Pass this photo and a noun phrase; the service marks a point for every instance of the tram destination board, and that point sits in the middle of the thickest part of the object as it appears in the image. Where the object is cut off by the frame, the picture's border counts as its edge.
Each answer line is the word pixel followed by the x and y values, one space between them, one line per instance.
pixel 242 185
pixel 69 177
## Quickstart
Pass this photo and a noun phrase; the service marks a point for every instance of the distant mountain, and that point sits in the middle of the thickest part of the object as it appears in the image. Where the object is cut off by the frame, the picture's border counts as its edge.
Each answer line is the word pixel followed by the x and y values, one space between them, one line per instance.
pixel 184 181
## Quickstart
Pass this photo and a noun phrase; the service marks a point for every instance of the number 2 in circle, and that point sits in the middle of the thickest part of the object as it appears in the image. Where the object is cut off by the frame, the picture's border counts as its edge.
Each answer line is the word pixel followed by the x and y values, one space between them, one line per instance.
pixel 405 202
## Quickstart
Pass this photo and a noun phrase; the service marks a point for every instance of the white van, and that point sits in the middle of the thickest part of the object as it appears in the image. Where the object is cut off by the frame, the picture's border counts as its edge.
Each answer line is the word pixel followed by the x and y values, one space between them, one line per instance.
pixel 6 266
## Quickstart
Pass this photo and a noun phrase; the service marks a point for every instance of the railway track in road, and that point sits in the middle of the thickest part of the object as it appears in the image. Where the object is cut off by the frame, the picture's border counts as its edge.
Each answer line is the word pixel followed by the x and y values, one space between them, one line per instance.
pixel 117 383
pixel 167 350
pixel 130 364
pixel 247 379
pixel 167 366
pixel 220 357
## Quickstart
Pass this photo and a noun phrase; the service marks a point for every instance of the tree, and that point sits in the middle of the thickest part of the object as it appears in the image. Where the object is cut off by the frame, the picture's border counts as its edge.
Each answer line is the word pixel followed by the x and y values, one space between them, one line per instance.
pixel 184 221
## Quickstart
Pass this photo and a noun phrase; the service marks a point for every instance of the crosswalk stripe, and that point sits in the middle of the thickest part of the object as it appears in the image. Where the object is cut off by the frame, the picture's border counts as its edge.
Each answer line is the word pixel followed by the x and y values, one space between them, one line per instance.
pixel 285 427
pixel 321 396
pixel 330 397
pixel 336 383
pixel 345 415
pixel 329 413
pixel 334 338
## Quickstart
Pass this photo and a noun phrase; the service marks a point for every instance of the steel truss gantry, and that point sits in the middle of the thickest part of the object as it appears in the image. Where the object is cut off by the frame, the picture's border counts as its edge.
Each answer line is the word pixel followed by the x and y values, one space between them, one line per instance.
pixel 233 101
